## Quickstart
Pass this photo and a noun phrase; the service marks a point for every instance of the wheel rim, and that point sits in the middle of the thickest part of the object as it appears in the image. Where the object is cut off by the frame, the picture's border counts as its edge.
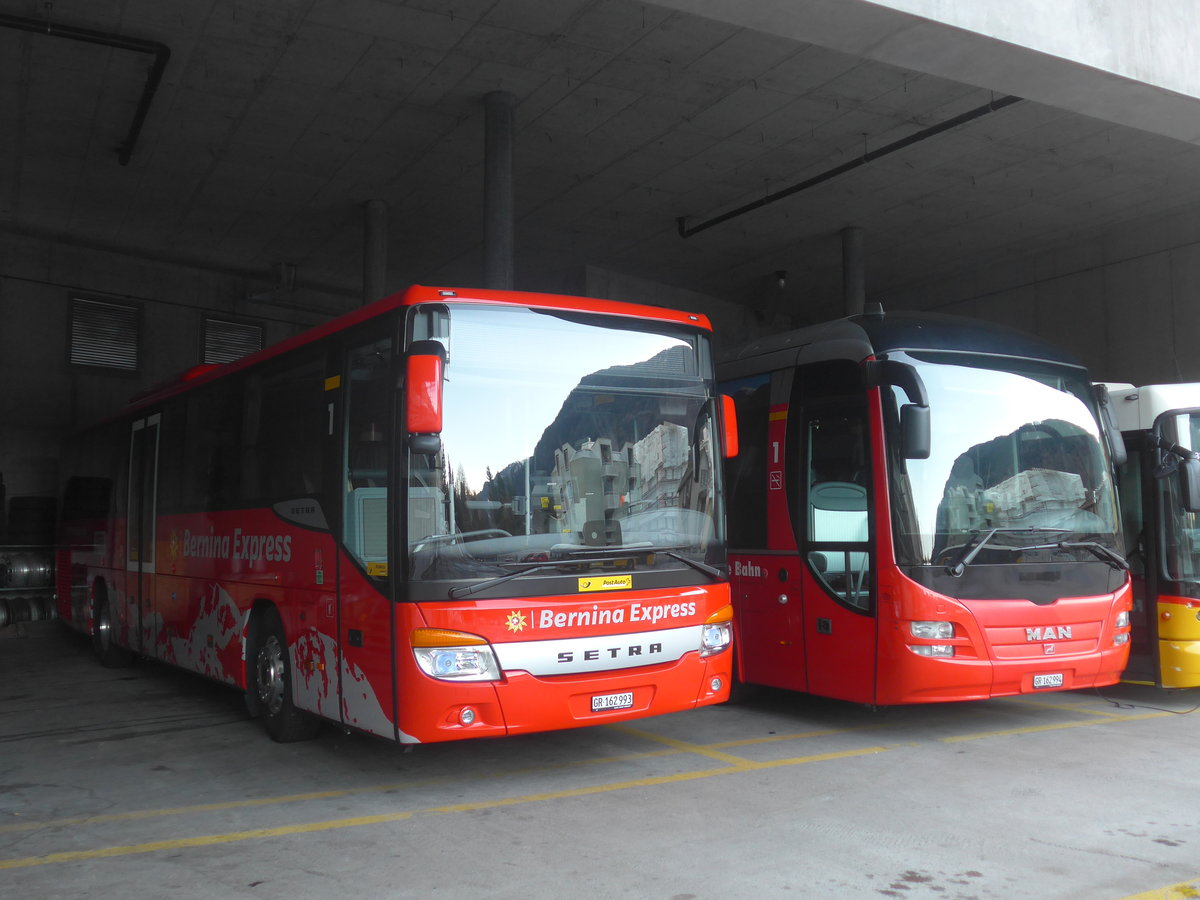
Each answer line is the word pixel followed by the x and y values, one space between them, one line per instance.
pixel 270 674
pixel 103 626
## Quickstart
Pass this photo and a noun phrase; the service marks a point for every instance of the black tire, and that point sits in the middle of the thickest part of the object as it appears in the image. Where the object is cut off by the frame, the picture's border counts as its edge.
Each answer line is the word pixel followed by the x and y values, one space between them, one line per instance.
pixel 269 683
pixel 107 652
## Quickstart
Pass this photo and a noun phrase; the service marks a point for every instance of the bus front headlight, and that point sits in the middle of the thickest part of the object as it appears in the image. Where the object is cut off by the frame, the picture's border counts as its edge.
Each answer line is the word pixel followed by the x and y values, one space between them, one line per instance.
pixel 454 655
pixel 933 630
pixel 717 633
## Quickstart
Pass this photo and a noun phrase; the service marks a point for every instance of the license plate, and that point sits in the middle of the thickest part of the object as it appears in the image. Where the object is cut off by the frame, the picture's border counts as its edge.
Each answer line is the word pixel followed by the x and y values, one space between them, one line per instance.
pixel 1048 681
pixel 623 700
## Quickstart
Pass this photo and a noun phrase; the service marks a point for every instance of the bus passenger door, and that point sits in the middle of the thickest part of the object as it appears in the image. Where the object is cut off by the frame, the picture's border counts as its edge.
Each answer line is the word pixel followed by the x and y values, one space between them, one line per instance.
pixel 839 603
pixel 138 627
pixel 364 592
pixel 764 569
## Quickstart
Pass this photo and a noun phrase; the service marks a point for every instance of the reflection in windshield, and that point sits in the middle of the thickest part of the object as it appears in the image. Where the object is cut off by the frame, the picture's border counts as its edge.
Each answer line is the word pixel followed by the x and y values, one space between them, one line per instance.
pixel 1017 451
pixel 565 442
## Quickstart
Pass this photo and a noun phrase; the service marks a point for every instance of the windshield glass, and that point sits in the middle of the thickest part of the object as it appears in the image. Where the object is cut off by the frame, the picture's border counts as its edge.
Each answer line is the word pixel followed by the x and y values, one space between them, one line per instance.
pixel 1014 449
pixel 567 437
pixel 1181 529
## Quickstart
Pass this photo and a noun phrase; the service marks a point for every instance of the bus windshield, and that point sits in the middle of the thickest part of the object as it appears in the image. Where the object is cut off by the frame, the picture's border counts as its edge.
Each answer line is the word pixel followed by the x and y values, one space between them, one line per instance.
pixel 569 441
pixel 1017 462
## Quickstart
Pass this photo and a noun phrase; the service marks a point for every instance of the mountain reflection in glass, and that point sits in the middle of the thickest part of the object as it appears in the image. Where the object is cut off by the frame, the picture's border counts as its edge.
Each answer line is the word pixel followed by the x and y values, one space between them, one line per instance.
pixel 566 438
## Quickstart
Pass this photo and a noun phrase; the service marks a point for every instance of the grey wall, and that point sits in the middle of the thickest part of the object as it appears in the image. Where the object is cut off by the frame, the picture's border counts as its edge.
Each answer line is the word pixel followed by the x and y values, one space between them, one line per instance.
pixel 1125 300
pixel 43 397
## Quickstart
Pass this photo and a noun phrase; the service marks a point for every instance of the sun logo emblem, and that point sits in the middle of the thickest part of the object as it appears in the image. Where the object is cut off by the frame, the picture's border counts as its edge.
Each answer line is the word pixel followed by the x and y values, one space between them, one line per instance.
pixel 516 621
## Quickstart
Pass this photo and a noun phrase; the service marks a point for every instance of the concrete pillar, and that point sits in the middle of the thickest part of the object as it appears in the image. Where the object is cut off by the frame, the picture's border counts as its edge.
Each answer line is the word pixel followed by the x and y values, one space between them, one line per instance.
pixel 498 191
pixel 375 241
pixel 854 271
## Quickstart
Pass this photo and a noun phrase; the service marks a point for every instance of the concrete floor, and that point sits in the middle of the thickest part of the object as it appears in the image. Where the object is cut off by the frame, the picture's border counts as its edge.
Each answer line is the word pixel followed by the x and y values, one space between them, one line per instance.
pixel 146 782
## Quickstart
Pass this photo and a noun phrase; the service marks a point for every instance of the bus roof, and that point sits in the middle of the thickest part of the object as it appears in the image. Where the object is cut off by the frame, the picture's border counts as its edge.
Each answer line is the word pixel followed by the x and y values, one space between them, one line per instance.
pixel 424 294
pixel 1137 408
pixel 873 334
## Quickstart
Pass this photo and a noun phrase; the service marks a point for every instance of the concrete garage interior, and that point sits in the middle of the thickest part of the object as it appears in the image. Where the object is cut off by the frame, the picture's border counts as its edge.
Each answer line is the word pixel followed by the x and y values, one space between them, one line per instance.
pixel 277 163
pixel 272 164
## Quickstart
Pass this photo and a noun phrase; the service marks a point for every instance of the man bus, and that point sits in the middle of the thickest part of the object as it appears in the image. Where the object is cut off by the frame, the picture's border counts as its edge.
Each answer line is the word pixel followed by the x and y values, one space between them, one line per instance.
pixel 1159 506
pixel 449 514
pixel 922 509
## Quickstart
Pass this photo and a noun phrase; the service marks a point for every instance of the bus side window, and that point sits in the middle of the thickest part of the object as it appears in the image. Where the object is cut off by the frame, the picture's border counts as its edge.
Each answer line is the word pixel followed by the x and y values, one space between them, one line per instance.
pixel 746 479
pixel 211 450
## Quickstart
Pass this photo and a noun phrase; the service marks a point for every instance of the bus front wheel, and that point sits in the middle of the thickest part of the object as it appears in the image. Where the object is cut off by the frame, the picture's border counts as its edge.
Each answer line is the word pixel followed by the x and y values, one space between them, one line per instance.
pixel 271 682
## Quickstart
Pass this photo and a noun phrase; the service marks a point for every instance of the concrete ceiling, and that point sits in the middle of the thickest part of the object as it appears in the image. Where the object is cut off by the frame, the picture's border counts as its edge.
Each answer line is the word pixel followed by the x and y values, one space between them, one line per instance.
pixel 277 119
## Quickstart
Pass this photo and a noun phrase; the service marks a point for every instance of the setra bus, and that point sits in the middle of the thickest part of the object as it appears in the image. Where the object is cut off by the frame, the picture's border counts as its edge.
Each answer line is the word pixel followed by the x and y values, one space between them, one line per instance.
pixel 922 509
pixel 1158 488
pixel 449 514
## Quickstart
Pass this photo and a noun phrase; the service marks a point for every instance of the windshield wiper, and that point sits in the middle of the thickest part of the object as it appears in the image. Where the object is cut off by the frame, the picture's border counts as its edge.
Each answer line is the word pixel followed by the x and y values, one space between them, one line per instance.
pixel 583 557
pixel 972 547
pixel 968 553
pixel 636 551
pixel 467 589
pixel 1097 549
pixel 712 571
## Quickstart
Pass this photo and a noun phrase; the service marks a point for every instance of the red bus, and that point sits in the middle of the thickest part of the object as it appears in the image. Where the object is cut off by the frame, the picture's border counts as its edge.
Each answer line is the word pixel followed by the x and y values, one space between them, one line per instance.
pixel 922 509
pixel 1160 501
pixel 449 514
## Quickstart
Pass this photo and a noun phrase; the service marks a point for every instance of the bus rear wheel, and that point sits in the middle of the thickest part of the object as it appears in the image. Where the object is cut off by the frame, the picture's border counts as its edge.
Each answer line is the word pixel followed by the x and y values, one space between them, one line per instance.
pixel 104 645
pixel 271 683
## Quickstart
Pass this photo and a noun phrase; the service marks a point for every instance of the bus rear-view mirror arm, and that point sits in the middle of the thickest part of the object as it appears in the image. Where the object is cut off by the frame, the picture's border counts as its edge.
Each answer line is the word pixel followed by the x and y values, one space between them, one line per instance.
pixel 1108 421
pixel 915 430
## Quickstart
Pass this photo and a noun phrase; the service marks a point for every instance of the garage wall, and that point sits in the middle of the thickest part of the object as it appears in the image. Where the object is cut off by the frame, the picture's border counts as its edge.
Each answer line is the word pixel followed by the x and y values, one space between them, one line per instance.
pixel 1126 300
pixel 43 397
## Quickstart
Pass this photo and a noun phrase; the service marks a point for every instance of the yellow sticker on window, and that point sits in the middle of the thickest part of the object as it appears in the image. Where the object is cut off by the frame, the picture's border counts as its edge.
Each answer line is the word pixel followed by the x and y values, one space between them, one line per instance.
pixel 605 583
pixel 377 569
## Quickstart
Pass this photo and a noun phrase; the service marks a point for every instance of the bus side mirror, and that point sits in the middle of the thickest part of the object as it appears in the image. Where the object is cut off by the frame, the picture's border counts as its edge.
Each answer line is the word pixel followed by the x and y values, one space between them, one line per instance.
pixel 1108 422
pixel 1189 483
pixel 729 420
pixel 423 372
pixel 915 435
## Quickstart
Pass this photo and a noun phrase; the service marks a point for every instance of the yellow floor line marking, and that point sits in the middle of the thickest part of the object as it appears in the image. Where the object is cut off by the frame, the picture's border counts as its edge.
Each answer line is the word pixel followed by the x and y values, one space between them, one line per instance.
pixel 672 748
pixel 135 815
pixel 1034 729
pixel 794 736
pixel 1185 890
pixel 360 821
pixel 1071 707
pixel 683 746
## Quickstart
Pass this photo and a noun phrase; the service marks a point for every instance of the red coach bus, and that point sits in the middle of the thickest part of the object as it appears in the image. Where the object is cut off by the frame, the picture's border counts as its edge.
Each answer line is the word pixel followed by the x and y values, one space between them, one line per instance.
pixel 922 509
pixel 449 514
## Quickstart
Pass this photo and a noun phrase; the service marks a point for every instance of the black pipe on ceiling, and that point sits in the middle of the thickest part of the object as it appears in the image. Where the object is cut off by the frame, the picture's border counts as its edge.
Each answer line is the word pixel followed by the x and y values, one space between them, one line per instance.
pixel 914 138
pixel 161 53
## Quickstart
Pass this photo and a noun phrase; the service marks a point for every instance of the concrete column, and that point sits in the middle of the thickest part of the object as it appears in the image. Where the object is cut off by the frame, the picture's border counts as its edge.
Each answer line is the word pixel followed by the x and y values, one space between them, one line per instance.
pixel 498 191
pixel 854 271
pixel 375 241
